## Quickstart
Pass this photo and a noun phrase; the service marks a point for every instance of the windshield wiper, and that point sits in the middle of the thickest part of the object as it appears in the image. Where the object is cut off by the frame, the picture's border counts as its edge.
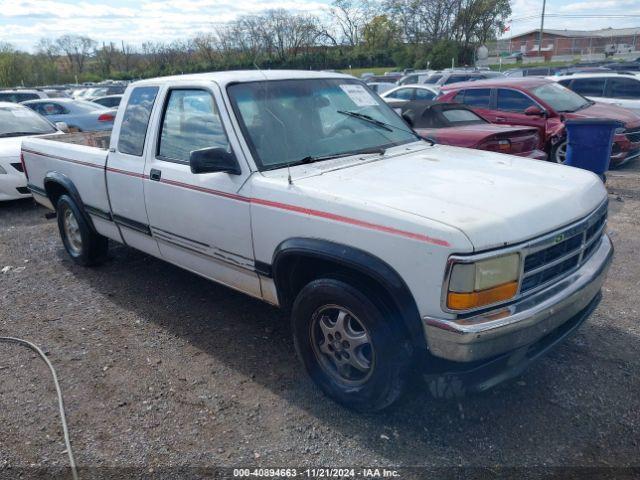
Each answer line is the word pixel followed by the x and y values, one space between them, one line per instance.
pixel 379 123
pixel 367 118
pixel 319 158
pixel 581 107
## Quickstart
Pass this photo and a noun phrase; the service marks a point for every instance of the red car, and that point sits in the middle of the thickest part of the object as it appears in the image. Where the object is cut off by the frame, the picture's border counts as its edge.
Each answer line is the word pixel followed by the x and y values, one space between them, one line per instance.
pixel 541 103
pixel 458 125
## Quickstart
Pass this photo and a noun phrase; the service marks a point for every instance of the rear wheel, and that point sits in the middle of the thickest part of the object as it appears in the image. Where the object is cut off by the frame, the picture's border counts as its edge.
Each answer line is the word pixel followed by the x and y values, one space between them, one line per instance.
pixel 353 348
pixel 83 245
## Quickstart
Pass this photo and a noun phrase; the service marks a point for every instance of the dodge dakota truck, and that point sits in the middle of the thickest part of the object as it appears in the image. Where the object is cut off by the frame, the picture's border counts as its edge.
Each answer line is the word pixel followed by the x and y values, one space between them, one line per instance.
pixel 398 259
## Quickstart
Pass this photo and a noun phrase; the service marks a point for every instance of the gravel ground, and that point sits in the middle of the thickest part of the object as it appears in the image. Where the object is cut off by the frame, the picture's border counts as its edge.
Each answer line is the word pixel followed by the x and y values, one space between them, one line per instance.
pixel 162 369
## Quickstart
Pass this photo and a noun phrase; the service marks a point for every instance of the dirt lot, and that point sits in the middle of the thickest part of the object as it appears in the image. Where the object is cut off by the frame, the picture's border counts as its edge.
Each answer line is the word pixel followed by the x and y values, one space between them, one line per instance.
pixel 162 369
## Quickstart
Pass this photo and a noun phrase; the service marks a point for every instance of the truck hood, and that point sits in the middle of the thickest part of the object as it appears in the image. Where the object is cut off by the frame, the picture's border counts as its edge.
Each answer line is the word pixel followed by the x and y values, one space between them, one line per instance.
pixel 494 199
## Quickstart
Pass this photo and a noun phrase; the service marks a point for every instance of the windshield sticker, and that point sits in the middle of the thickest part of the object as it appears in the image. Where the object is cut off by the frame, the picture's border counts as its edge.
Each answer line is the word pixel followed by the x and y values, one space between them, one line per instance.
pixel 19 113
pixel 359 95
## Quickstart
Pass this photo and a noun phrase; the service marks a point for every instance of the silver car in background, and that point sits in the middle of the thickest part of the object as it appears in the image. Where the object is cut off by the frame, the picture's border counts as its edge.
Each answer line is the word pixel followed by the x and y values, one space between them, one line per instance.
pixel 79 115
pixel 109 101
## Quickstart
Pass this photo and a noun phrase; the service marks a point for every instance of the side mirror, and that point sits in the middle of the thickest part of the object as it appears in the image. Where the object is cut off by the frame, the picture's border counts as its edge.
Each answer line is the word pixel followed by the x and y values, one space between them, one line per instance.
pixel 213 159
pixel 62 126
pixel 533 111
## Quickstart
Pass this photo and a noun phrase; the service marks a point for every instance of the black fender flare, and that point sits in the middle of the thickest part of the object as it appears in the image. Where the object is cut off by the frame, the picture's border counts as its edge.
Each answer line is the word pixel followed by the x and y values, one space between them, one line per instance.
pixel 358 260
pixel 65 182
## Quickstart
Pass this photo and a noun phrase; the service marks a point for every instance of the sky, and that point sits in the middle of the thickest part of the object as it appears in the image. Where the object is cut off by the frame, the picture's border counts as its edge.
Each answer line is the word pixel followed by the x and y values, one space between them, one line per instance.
pixel 23 22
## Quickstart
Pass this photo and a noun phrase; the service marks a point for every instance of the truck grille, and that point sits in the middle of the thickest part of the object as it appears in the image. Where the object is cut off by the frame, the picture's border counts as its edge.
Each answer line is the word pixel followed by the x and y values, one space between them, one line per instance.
pixel 633 134
pixel 560 253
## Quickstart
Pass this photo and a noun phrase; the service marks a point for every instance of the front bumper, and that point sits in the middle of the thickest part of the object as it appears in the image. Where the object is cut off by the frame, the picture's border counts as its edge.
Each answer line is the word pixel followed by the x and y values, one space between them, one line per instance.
pixel 501 330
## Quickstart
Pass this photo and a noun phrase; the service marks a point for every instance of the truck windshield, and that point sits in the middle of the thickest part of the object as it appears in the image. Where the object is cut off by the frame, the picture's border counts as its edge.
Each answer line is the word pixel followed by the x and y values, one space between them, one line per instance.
pixel 560 98
pixel 18 120
pixel 287 121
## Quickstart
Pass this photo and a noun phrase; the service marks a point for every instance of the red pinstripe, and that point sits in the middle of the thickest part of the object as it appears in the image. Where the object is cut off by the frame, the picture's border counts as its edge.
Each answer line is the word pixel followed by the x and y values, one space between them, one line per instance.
pixel 268 203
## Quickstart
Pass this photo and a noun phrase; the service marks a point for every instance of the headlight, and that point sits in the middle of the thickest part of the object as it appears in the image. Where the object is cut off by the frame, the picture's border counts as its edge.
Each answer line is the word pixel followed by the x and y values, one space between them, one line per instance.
pixel 2 170
pixel 473 285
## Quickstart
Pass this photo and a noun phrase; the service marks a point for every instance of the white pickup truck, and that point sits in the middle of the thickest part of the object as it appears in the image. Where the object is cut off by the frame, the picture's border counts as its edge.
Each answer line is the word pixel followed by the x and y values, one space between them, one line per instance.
pixel 304 189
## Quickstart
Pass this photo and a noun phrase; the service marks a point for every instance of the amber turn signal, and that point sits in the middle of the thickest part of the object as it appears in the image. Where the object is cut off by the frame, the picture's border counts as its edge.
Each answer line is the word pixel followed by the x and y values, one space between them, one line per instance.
pixel 467 301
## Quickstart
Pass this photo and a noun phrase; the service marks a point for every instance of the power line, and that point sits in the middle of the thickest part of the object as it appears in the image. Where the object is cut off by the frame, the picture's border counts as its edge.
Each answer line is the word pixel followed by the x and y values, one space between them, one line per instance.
pixel 559 15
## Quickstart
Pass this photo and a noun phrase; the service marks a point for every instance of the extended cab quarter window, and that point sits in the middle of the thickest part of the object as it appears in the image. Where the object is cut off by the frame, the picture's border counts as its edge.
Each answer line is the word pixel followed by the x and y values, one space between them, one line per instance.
pixel 135 120
pixel 513 101
pixel 191 122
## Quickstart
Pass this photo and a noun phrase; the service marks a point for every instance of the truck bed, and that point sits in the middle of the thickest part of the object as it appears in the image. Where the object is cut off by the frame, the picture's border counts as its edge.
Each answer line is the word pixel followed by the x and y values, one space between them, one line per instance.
pixel 79 157
pixel 90 139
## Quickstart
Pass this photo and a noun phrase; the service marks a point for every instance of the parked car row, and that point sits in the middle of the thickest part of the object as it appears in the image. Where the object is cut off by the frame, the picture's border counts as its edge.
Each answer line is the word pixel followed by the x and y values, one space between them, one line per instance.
pixel 546 105
pixel 535 102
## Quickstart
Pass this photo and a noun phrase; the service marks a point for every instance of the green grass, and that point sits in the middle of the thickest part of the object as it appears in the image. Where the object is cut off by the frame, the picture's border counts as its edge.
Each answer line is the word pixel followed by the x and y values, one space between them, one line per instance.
pixel 356 72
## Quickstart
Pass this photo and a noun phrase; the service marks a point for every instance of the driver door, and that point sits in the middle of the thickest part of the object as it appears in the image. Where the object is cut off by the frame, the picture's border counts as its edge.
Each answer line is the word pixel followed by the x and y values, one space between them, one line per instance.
pixel 200 221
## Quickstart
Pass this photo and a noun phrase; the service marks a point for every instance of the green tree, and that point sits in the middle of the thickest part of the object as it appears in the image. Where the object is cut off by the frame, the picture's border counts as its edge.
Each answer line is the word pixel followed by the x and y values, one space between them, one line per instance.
pixel 381 33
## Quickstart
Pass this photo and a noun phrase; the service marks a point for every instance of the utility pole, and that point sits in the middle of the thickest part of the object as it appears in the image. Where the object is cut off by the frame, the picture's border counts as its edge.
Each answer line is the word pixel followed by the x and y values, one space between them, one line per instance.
pixel 544 4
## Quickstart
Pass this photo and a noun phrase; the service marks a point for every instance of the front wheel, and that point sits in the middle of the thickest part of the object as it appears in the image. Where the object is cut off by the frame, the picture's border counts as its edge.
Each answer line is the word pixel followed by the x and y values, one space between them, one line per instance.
pixel 559 152
pixel 353 348
pixel 83 245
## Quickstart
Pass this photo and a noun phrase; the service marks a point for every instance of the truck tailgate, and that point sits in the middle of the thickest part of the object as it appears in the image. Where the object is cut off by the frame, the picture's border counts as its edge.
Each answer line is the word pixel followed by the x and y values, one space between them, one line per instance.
pixel 79 157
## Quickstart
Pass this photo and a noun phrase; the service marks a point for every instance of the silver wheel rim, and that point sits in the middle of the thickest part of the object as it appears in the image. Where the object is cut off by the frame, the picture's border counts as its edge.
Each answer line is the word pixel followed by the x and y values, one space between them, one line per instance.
pixel 72 231
pixel 342 345
pixel 561 153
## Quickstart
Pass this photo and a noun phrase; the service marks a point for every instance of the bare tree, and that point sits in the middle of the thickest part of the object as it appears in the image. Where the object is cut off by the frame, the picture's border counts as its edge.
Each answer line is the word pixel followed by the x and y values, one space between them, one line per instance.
pixel 77 49
pixel 350 17
pixel 49 48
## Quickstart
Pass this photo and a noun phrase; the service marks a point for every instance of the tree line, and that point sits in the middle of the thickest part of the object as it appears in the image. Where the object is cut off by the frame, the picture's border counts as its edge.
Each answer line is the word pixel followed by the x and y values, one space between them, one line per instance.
pixel 351 33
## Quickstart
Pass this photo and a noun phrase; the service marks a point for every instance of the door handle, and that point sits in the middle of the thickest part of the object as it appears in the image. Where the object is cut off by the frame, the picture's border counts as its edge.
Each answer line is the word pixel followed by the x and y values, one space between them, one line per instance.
pixel 155 175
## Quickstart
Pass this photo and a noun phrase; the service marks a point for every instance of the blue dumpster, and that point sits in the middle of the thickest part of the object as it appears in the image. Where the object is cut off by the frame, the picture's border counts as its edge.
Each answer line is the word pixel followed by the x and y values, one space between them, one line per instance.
pixel 589 143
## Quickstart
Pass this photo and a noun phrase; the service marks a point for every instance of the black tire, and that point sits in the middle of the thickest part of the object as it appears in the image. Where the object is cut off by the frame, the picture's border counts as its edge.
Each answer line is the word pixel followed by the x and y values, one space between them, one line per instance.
pixel 84 246
pixel 388 350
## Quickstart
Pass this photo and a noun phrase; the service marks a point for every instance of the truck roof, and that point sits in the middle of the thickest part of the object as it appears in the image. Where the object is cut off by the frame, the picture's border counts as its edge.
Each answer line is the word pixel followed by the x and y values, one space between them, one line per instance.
pixel 235 76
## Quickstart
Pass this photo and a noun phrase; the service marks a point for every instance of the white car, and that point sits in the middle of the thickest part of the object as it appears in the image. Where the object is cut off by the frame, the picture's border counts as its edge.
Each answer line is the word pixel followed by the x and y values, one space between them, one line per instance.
pixel 621 89
pixel 410 92
pixel 381 87
pixel 16 122
pixel 18 95
pixel 305 190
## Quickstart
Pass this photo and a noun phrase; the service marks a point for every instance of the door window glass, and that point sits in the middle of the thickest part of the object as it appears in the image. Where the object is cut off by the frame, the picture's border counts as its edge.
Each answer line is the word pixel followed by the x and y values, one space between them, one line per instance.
pixel 512 101
pixel 402 94
pixel 625 88
pixel 191 122
pixel 589 87
pixel 477 97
